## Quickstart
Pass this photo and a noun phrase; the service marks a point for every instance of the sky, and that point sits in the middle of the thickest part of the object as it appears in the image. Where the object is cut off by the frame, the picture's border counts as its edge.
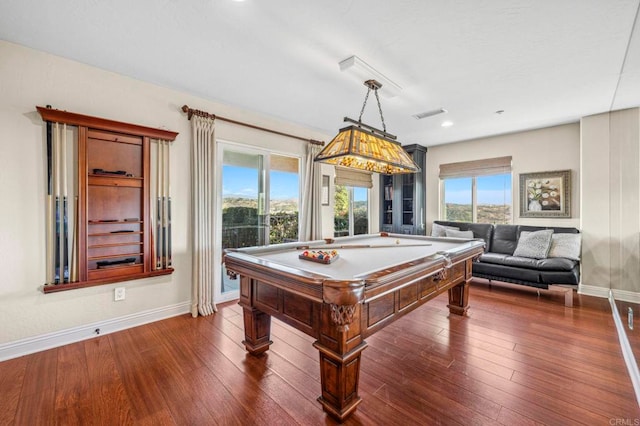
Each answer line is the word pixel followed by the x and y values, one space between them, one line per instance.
pixel 494 189
pixel 243 182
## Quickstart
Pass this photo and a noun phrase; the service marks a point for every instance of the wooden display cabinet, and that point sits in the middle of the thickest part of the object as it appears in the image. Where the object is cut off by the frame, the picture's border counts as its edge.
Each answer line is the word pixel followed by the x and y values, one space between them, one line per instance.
pixel 114 233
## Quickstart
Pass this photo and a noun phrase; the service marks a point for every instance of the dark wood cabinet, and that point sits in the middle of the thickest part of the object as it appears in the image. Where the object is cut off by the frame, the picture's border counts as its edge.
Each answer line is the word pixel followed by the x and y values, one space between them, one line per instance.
pixel 116 204
pixel 402 197
pixel 113 240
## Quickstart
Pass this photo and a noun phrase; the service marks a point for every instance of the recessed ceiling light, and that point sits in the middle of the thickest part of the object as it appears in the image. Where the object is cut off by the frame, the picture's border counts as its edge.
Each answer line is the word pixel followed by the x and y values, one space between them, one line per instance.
pixel 447 123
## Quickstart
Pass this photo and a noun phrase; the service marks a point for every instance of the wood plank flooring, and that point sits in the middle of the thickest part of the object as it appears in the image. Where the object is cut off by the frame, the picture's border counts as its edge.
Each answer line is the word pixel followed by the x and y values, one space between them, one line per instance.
pixel 517 359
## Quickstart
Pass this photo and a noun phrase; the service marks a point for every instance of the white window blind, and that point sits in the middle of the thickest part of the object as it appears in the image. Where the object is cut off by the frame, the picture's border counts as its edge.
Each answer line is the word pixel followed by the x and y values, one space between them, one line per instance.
pixel 351 177
pixel 489 166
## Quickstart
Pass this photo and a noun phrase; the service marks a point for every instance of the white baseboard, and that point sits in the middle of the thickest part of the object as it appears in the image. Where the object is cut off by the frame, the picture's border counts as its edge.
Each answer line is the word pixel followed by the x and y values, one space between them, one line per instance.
pixel 627 353
pixel 626 296
pixel 592 290
pixel 71 335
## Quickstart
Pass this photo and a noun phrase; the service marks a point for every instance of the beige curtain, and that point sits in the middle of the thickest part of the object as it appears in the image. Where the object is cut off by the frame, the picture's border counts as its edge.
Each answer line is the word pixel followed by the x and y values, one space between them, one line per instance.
pixel 310 217
pixel 202 187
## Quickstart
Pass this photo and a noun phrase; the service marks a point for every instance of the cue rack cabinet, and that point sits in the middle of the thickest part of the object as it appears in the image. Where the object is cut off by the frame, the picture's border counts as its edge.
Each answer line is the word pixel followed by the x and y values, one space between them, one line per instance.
pixel 113 209
pixel 402 201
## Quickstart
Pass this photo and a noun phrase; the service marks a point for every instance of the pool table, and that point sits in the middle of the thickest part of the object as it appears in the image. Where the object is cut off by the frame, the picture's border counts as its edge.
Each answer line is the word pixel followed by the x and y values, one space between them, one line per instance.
pixel 374 280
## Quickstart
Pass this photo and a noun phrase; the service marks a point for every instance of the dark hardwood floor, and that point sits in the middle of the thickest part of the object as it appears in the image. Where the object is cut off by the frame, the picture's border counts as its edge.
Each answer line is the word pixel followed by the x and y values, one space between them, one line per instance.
pixel 517 359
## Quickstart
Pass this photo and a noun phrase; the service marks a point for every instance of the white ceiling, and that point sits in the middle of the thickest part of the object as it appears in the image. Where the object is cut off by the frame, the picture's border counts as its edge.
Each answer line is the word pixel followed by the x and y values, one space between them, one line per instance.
pixel 543 62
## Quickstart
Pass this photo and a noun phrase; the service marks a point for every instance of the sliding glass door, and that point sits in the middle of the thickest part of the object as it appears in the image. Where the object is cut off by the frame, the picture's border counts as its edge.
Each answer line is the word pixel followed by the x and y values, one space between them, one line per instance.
pixel 259 199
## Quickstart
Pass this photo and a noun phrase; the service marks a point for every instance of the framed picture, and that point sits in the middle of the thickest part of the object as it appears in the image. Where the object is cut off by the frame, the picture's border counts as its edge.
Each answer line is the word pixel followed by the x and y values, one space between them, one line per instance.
pixel 325 190
pixel 545 194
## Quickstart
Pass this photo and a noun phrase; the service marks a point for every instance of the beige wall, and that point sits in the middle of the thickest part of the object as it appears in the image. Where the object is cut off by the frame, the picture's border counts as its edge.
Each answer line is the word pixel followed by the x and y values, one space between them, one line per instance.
pixel 553 148
pixel 29 78
pixel 610 162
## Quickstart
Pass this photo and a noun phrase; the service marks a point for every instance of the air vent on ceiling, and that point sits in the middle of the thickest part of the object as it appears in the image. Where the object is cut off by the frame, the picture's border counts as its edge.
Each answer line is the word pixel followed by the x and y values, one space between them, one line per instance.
pixel 426 114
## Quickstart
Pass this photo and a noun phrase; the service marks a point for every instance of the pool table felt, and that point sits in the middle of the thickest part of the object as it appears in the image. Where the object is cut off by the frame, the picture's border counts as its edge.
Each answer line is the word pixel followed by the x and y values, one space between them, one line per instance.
pixel 354 263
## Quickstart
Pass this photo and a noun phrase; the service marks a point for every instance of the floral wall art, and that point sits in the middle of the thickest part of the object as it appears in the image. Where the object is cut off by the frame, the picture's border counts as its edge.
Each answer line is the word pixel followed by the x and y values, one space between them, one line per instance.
pixel 545 194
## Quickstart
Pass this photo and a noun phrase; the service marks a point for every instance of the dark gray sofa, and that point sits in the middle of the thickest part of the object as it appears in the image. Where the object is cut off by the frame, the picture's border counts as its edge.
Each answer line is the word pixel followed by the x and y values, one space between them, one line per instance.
pixel 498 262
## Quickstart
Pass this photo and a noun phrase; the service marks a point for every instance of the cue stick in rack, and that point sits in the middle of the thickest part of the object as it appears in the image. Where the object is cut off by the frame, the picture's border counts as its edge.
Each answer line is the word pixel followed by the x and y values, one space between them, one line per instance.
pixel 359 246
pixel 74 249
pixel 168 173
pixel 49 215
pixel 165 246
pixel 158 210
pixel 56 189
pixel 152 215
pixel 65 207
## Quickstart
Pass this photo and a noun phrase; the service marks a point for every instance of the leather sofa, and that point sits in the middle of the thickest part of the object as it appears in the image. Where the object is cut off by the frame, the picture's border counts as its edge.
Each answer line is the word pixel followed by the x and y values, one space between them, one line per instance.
pixel 498 262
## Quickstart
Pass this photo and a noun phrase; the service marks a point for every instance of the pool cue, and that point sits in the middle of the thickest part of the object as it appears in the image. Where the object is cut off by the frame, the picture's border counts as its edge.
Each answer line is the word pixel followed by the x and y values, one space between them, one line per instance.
pixel 164 206
pixel 359 246
pixel 74 249
pixel 56 188
pixel 168 173
pixel 65 207
pixel 152 216
pixel 49 214
pixel 158 208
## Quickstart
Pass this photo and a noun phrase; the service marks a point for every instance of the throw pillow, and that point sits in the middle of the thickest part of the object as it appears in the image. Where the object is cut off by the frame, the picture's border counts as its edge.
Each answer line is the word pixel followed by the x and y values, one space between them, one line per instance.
pixel 452 233
pixel 534 244
pixel 566 245
pixel 441 230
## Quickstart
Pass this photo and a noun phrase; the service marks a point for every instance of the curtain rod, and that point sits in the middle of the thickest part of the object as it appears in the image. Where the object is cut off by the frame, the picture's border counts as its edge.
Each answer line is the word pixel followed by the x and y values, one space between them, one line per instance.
pixel 190 112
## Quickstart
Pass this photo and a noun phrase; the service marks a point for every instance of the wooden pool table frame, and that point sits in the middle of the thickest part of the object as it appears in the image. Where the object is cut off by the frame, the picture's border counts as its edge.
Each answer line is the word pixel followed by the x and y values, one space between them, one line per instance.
pixel 341 314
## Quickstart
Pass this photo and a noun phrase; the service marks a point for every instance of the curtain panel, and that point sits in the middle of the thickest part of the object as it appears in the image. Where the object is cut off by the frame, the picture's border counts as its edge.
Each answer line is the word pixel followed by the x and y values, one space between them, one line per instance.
pixel 310 208
pixel 202 195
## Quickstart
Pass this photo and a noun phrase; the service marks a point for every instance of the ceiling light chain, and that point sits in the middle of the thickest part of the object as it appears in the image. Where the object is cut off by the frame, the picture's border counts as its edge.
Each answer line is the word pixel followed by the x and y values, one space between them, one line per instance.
pixel 373 85
pixel 384 126
pixel 363 147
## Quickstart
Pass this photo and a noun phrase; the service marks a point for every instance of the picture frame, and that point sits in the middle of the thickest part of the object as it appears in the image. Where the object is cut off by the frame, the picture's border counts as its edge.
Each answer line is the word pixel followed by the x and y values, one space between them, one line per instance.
pixel 546 194
pixel 325 190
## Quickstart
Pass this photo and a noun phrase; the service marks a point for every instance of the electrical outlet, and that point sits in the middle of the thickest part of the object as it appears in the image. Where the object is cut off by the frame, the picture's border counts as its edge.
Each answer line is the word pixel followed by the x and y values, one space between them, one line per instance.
pixel 119 294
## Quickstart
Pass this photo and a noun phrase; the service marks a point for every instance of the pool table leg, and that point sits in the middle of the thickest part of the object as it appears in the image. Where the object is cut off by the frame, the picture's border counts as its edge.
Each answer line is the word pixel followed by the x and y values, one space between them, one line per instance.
pixel 257 330
pixel 340 375
pixel 257 324
pixel 459 298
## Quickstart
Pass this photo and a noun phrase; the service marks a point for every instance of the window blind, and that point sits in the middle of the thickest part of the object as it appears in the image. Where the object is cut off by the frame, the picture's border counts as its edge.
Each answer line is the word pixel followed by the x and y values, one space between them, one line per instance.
pixel 489 166
pixel 351 177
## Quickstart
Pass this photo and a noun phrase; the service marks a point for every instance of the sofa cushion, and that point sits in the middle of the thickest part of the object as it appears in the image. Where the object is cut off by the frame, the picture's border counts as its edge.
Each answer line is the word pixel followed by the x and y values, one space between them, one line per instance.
pixel 561 277
pixel 565 245
pixel 521 262
pixel 496 258
pixel 556 264
pixel 483 231
pixel 534 244
pixel 548 264
pixel 441 230
pixel 505 239
pixel 511 272
pixel 452 233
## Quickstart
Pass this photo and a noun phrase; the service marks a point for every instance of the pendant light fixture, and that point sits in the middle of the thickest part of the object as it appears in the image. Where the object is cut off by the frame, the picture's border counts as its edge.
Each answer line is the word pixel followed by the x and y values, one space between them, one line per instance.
pixel 363 147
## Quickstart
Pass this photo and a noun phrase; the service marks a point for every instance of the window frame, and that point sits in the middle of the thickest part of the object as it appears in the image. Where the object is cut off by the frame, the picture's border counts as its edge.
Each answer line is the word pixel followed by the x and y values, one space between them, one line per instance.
pixel 474 195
